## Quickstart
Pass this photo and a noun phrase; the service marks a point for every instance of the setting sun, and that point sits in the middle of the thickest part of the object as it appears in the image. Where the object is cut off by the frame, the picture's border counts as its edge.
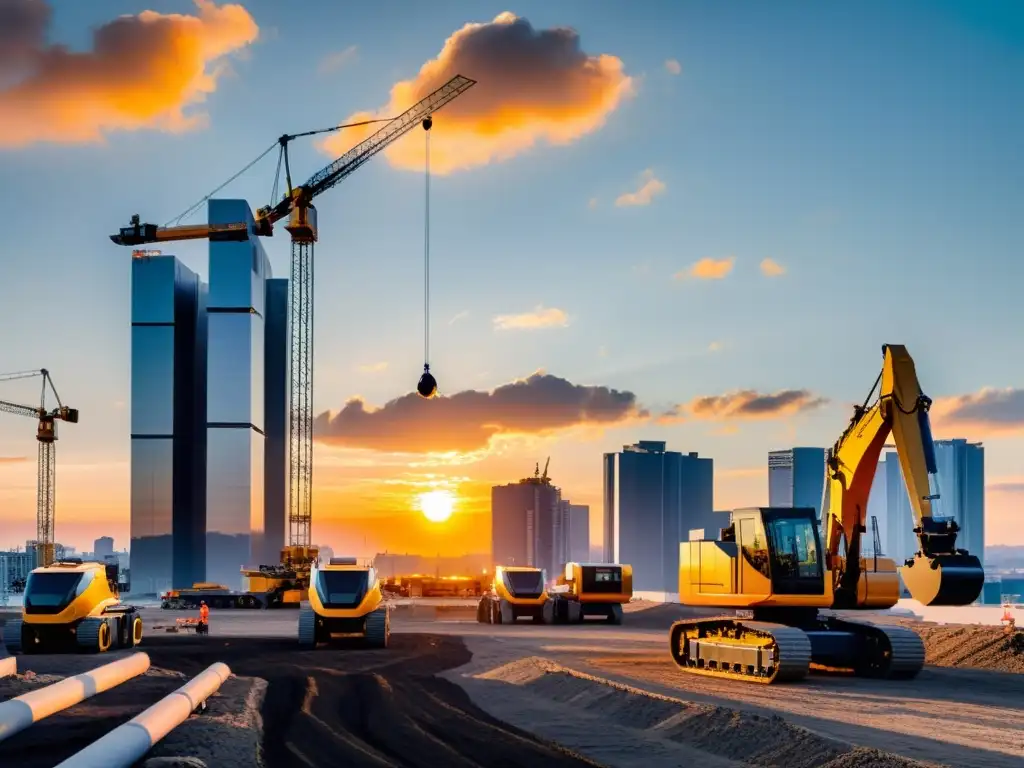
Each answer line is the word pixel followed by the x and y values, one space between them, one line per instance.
pixel 437 505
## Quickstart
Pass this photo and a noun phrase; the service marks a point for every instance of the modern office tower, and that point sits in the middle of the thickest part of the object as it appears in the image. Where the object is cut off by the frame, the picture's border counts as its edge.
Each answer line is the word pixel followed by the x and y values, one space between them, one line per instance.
pixel 168 423
pixel 526 525
pixel 878 508
pixel 103 547
pixel 577 533
pixel 796 478
pixel 653 498
pixel 275 421
pixel 960 483
pixel 236 312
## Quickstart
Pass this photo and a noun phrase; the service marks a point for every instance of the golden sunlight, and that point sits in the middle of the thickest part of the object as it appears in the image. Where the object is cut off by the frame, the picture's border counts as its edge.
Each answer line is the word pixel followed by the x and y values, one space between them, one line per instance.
pixel 437 505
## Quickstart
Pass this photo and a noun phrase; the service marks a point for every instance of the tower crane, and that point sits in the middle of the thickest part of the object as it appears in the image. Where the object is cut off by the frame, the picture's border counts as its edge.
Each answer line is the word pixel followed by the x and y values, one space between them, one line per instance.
pixel 46 436
pixel 297 207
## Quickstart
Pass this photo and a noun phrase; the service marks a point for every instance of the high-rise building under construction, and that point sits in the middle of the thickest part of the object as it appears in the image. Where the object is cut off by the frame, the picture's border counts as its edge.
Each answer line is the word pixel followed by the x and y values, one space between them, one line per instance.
pixel 209 405
pixel 527 524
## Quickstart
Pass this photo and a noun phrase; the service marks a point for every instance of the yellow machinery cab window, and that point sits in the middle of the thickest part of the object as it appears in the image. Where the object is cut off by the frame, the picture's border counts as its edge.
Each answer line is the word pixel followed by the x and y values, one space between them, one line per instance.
pixel 51 592
pixel 795 560
pixel 526 584
pixel 342 589
pixel 602 579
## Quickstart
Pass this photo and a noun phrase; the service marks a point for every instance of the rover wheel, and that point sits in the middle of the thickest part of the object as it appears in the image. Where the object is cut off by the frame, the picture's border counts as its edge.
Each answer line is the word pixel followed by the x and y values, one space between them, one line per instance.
pixel 93 636
pixel 307 628
pixel 508 616
pixel 13 635
pixel 615 614
pixel 135 630
pixel 378 628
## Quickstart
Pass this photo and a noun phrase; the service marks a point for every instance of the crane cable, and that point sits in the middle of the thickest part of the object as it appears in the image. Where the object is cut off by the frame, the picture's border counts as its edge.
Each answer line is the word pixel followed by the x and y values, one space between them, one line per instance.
pixel 427 386
pixel 426 256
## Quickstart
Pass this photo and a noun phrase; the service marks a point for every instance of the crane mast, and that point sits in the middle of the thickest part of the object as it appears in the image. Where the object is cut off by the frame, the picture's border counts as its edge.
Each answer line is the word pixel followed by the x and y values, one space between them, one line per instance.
pixel 297 207
pixel 46 437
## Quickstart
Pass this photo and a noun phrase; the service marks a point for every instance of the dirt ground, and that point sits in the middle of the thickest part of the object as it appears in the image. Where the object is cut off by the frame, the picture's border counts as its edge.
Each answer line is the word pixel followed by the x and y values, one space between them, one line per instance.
pixel 347 707
pixel 627 727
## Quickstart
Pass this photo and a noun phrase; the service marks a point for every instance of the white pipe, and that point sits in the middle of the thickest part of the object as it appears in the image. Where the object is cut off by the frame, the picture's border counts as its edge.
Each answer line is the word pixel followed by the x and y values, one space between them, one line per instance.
pixel 19 713
pixel 127 744
pixel 8 666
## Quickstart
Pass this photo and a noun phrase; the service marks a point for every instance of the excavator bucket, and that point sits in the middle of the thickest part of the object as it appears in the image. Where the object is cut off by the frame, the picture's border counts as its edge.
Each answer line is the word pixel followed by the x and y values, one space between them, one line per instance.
pixel 944 579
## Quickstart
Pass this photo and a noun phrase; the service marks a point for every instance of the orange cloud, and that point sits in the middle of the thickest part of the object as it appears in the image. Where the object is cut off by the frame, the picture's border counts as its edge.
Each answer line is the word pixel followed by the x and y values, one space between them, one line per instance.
pixel 373 367
pixel 989 412
pixel 539 318
pixel 533 85
pixel 142 72
pixel 708 269
pixel 650 187
pixel 771 268
pixel 13 459
pixel 468 420
pixel 750 404
pixel 673 67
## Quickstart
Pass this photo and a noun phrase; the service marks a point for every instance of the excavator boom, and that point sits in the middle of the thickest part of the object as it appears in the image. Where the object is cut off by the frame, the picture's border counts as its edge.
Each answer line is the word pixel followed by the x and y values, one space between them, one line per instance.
pixel 939 573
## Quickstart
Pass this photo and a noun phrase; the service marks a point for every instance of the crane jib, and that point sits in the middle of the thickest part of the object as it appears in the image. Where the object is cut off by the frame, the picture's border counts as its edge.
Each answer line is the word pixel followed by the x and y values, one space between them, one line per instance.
pixel 360 153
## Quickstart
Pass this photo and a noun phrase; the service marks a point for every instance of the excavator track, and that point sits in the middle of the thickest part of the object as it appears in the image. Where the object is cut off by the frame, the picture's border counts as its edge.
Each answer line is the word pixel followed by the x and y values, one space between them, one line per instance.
pixel 736 649
pixel 894 653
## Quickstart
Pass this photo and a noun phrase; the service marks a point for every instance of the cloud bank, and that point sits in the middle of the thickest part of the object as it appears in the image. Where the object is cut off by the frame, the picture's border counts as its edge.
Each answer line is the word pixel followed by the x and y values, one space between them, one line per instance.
pixel 142 72
pixel 533 85
pixel 746 404
pixel 468 420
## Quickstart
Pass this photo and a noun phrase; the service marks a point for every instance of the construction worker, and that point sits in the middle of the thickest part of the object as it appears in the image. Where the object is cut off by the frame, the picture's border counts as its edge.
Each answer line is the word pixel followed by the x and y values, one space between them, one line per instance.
pixel 204 618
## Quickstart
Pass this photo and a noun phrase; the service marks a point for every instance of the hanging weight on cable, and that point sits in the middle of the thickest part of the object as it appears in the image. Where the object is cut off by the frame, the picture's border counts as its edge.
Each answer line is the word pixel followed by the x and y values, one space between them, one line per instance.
pixel 427 385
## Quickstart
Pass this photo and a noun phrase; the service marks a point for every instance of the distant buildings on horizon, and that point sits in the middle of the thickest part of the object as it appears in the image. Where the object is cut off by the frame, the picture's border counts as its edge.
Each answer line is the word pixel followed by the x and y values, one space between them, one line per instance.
pixel 208 413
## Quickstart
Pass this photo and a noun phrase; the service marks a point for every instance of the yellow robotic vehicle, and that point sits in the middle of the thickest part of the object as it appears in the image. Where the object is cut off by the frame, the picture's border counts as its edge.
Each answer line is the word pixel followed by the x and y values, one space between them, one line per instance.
pixel 516 592
pixel 73 606
pixel 773 564
pixel 345 601
pixel 589 590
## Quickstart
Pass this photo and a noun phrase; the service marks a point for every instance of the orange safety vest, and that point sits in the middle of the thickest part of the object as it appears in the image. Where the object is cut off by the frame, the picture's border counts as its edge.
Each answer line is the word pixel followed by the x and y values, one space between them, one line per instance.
pixel 204 613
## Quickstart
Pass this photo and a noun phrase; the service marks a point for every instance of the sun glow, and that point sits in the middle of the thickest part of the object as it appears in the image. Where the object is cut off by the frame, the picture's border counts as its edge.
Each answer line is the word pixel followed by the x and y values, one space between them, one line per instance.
pixel 436 505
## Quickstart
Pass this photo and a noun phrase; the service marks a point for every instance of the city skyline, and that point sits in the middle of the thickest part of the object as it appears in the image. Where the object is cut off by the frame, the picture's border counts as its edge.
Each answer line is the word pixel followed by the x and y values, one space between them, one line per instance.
pixel 705 241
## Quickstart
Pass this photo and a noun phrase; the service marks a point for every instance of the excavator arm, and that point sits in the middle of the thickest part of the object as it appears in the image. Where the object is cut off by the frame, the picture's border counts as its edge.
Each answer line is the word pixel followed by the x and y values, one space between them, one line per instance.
pixel 939 573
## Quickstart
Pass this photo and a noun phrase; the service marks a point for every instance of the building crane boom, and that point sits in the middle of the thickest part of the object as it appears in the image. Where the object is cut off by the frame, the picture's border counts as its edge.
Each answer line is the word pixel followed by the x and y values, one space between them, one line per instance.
pixel 46 436
pixel 296 206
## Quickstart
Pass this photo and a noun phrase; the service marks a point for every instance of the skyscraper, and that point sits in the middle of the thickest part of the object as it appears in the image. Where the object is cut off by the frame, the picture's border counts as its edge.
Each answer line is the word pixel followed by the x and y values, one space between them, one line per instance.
pixel 796 478
pixel 235 397
pixel 209 378
pixel 275 419
pixel 526 525
pixel 960 483
pixel 653 498
pixel 168 423
pixel 577 534
pixel 103 547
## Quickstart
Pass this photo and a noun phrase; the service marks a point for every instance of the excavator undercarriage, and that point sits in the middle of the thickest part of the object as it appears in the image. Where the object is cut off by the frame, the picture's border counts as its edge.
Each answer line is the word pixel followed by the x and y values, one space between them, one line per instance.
pixel 779 645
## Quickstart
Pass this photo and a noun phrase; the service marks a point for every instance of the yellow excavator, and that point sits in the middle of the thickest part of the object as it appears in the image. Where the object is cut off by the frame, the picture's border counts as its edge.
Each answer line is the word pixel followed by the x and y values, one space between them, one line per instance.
pixel 73 606
pixel 517 591
pixel 345 601
pixel 769 563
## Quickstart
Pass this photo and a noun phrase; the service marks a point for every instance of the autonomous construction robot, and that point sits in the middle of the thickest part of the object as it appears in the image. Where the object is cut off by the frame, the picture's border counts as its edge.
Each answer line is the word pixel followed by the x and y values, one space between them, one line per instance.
pixel 772 563
pixel 345 602
pixel 73 606
pixel 516 592
pixel 588 590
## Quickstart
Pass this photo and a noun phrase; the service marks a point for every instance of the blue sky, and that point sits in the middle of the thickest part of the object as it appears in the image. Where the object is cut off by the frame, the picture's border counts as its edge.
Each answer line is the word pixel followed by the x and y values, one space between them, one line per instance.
pixel 871 149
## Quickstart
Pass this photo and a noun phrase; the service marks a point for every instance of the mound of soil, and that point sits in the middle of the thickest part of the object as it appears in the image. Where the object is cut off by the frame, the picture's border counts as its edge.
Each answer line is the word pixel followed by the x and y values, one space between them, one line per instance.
pixel 743 737
pixel 978 647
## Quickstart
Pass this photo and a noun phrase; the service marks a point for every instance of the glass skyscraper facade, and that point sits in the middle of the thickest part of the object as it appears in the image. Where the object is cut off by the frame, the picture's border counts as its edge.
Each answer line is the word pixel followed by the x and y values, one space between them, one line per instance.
pixel 235 386
pixel 653 498
pixel 209 413
pixel 960 483
pixel 168 424
pixel 796 478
